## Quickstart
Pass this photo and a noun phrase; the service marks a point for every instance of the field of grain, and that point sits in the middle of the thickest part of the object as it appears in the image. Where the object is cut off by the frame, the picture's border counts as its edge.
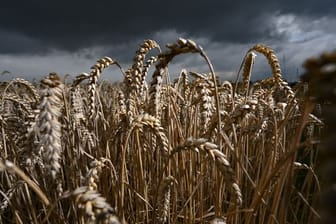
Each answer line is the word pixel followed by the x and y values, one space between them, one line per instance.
pixel 196 149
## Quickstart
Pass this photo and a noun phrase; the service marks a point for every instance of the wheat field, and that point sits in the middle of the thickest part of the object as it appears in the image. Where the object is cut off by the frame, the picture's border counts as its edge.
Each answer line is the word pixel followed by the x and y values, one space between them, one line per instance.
pixel 195 149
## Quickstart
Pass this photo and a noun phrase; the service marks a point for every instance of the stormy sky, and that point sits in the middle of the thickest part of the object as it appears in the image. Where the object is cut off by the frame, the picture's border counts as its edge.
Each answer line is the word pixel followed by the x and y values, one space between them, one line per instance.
pixel 67 37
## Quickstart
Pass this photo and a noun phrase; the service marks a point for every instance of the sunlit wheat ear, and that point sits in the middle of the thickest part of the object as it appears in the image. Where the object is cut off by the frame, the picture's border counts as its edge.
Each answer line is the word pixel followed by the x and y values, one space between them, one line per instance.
pixel 184 89
pixel 144 73
pixel 276 70
pixel 77 106
pixel 93 77
pixel 22 105
pixel 92 176
pixel 210 149
pixel 48 126
pixel 227 96
pixel 206 104
pixel 31 150
pixel 146 120
pixel 272 60
pixel 121 102
pixel 202 84
pixel 15 112
pixel 218 221
pixel 181 47
pixel 15 90
pixel 95 207
pixel 78 115
pixel 163 201
pixel 18 99
pixel 35 97
pixel 80 78
pixel 185 84
pixel 97 69
pixel 247 70
pixel 135 75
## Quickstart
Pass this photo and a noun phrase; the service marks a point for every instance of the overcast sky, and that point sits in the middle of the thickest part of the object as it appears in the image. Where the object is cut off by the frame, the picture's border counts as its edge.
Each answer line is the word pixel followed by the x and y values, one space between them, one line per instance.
pixel 38 37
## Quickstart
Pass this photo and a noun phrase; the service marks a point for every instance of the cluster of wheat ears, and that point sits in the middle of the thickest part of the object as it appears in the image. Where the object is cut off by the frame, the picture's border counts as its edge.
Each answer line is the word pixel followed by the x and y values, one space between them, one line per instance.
pixel 191 150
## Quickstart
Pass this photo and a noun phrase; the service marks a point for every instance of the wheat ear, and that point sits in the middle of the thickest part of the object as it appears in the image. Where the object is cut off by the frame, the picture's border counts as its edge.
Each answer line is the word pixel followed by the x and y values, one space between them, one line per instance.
pixel 164 199
pixel 276 70
pixel 181 47
pixel 48 126
pixel 96 209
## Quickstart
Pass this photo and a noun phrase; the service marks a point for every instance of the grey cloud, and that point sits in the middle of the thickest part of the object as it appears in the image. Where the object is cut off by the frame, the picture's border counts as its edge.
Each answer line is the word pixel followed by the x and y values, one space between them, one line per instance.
pixel 63 63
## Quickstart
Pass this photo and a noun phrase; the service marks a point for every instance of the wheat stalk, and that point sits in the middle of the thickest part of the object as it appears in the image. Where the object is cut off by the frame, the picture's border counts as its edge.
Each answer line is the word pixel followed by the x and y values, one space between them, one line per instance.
pixel 212 150
pixel 11 167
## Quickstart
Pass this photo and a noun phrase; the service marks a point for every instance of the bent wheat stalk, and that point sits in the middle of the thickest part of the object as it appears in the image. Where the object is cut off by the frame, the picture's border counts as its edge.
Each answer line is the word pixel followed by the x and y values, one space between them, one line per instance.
pixel 212 150
pixel 11 167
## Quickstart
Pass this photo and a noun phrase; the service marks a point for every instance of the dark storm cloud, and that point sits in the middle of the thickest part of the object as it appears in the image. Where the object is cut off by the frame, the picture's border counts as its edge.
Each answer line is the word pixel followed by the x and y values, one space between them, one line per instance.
pixel 39 26
pixel 15 42
pixel 38 37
